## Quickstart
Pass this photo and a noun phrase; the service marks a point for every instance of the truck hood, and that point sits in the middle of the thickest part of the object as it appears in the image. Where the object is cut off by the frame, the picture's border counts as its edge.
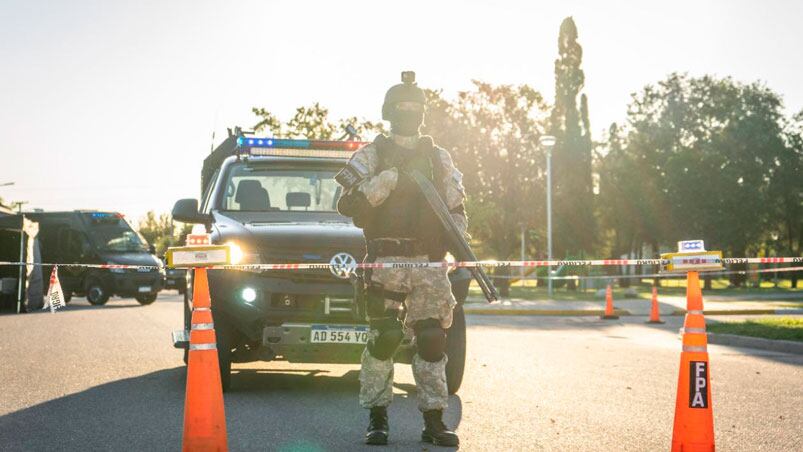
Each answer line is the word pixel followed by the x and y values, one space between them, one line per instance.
pixel 292 240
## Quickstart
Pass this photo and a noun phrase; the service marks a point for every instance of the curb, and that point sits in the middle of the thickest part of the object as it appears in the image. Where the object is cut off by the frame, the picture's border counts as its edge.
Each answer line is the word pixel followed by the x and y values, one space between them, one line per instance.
pixel 760 343
pixel 743 311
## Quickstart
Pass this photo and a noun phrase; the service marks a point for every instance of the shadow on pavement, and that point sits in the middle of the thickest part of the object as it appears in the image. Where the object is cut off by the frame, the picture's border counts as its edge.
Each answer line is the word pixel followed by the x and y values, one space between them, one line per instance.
pixel 292 409
pixel 141 413
pixel 273 409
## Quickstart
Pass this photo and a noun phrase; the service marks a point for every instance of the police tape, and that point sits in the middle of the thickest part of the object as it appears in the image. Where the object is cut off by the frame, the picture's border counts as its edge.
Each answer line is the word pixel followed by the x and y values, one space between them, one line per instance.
pixel 651 275
pixel 437 264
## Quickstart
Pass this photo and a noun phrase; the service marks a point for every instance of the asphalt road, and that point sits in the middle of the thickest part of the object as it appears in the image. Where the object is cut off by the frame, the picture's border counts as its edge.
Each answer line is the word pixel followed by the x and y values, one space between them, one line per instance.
pixel 107 378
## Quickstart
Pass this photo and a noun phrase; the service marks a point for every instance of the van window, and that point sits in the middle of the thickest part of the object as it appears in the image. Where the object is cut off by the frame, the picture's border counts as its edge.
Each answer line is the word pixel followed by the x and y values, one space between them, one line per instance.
pixel 110 232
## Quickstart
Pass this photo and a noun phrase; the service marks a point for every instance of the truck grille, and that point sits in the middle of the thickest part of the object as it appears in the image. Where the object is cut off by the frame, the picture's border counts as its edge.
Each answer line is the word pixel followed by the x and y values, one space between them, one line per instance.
pixel 299 256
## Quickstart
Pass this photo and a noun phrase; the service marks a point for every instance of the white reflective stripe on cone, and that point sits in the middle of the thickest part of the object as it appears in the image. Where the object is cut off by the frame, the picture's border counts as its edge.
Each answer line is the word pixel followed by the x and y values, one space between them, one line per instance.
pixel 203 326
pixel 694 311
pixel 693 330
pixel 695 348
pixel 211 346
pixel 201 309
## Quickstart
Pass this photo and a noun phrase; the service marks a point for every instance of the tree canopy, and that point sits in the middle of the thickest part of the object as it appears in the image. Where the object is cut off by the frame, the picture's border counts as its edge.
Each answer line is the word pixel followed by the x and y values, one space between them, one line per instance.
pixel 703 157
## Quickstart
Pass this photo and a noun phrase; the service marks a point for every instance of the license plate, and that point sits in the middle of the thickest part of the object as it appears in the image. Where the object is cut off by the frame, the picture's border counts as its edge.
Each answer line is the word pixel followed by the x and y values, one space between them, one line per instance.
pixel 144 289
pixel 326 334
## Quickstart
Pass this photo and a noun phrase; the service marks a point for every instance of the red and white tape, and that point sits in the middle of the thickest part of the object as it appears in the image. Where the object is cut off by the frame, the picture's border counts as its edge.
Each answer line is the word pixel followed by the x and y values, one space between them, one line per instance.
pixel 446 264
pixel 652 275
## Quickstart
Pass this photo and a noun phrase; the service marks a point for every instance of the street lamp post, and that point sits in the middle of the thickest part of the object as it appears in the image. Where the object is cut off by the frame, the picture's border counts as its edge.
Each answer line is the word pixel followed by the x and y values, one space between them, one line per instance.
pixel 548 142
pixel 21 272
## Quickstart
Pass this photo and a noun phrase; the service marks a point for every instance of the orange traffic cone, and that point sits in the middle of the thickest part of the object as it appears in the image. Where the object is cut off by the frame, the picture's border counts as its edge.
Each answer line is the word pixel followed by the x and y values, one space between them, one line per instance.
pixel 609 314
pixel 694 418
pixel 204 417
pixel 655 314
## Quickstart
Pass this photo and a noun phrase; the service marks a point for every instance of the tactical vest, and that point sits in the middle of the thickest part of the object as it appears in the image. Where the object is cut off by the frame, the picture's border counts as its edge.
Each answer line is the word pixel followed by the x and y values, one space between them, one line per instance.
pixel 405 213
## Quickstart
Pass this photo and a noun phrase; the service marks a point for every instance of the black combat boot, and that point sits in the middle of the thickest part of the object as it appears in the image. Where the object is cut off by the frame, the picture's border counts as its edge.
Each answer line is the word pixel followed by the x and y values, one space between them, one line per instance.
pixel 435 430
pixel 377 434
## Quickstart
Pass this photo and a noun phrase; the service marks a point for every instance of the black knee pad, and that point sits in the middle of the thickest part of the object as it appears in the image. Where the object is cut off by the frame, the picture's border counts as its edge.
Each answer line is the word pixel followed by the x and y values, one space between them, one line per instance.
pixel 384 345
pixel 431 340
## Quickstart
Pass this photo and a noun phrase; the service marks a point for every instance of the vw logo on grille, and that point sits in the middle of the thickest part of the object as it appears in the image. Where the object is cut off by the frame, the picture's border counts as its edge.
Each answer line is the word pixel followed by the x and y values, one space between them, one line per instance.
pixel 342 265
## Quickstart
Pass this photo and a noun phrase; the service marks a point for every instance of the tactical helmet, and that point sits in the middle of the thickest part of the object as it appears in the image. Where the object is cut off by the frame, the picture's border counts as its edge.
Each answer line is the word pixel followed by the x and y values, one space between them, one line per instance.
pixel 407 91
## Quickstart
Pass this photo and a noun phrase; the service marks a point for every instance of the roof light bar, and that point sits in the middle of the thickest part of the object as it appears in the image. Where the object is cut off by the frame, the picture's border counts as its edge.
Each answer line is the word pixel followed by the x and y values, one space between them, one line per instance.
pixel 291 147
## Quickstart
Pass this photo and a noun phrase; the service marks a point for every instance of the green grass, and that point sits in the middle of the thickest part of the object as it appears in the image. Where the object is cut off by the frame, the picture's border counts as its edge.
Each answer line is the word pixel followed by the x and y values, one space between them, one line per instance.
pixel 785 328
pixel 531 290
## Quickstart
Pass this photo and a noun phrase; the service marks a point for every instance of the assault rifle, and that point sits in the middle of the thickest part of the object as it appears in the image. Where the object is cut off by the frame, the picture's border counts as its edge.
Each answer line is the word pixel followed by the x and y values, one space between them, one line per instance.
pixel 457 243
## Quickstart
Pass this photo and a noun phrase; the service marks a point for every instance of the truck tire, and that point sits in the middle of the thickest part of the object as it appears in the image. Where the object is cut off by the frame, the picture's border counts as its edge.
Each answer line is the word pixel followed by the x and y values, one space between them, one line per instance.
pixel 224 335
pixel 67 296
pixel 96 294
pixel 187 321
pixel 146 299
pixel 456 350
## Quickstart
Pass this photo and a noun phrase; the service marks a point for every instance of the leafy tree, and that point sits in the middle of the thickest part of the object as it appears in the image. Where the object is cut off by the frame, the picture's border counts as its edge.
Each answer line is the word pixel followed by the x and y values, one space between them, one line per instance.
pixel 617 193
pixel 162 232
pixel 785 225
pixel 312 123
pixel 711 160
pixel 492 134
pixel 573 204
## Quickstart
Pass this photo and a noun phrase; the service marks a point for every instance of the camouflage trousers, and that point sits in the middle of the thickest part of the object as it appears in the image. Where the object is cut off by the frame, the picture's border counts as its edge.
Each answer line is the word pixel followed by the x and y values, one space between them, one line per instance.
pixel 376 382
pixel 429 293
pixel 429 297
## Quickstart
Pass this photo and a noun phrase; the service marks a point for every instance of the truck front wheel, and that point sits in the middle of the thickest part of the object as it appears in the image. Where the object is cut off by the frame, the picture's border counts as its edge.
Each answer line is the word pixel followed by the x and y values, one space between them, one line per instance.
pixel 224 333
pixel 96 294
pixel 146 299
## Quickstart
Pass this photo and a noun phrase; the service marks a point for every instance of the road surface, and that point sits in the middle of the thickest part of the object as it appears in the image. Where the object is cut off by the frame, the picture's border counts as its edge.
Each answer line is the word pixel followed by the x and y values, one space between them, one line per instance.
pixel 107 378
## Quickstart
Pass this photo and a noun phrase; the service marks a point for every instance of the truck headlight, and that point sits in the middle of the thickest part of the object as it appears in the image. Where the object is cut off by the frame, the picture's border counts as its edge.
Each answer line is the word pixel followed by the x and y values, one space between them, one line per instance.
pixel 236 253
pixel 240 256
pixel 248 294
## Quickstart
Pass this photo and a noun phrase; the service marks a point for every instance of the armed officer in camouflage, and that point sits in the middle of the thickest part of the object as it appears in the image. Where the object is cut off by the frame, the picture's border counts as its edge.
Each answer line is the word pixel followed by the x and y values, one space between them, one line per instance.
pixel 382 199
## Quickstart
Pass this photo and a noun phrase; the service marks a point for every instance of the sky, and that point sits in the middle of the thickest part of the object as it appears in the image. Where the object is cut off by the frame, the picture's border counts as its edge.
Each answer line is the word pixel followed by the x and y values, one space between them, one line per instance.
pixel 111 105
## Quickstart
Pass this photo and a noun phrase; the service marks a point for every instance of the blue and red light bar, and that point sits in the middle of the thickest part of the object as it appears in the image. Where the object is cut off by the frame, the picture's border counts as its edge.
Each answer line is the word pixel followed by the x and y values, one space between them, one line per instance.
pixel 283 146
pixel 106 215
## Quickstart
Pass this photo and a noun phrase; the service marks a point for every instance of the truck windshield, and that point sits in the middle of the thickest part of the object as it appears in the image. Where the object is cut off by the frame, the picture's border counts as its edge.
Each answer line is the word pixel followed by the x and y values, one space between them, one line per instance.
pixel 111 232
pixel 259 189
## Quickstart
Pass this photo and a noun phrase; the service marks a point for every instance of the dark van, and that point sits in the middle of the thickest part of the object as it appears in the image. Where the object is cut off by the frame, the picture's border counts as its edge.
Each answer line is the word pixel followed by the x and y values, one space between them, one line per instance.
pixel 91 237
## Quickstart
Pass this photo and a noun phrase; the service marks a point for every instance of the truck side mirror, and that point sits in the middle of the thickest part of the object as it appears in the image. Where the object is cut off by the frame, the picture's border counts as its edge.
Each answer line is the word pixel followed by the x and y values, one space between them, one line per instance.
pixel 151 249
pixel 186 211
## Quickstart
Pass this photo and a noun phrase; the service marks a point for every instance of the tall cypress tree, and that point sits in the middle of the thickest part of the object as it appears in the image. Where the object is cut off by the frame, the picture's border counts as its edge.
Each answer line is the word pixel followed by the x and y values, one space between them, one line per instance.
pixel 571 159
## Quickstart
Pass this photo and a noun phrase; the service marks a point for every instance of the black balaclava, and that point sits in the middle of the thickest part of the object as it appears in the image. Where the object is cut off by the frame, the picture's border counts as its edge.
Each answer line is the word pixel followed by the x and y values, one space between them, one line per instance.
pixel 405 122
